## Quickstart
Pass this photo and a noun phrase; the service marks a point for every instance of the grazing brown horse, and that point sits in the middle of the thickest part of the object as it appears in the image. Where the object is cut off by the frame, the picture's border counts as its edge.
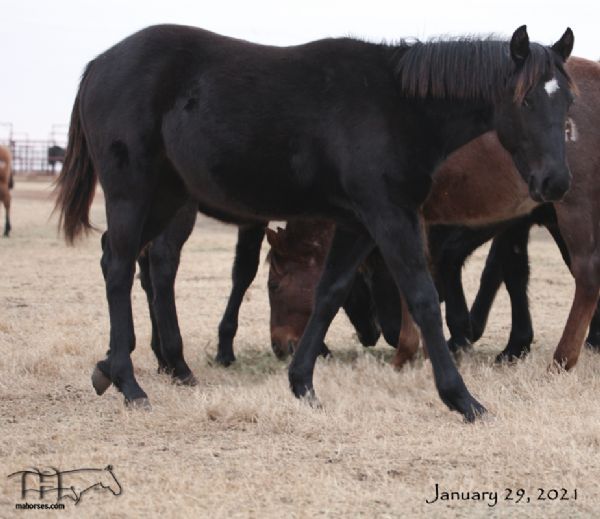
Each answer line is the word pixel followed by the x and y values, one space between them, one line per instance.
pixel 6 182
pixel 478 186
pixel 296 261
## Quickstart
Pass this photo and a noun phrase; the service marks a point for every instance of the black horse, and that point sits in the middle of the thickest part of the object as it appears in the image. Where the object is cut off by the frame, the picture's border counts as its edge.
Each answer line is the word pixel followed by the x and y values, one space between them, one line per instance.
pixel 339 129
pixel 56 154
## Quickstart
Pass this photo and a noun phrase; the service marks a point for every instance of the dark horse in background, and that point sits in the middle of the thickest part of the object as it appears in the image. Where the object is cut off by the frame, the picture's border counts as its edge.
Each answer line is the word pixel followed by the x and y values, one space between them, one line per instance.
pixel 339 129
pixel 56 154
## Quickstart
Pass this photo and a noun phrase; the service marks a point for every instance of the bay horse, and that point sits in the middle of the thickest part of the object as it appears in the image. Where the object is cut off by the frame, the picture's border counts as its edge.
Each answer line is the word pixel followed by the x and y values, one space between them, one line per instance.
pixel 340 129
pixel 573 223
pixel 6 184
pixel 296 260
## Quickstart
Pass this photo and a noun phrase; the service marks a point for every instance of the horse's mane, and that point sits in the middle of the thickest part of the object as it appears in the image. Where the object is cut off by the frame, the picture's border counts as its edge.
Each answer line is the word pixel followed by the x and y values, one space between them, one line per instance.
pixel 469 68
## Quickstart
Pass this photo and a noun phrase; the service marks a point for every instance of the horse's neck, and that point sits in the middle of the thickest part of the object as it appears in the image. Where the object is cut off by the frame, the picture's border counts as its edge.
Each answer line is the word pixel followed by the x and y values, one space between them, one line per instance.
pixel 458 123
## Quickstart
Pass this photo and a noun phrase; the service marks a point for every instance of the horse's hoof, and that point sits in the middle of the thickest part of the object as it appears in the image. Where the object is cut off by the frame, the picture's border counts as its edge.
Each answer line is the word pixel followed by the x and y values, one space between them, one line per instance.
pixel 100 381
pixel 556 368
pixel 474 412
pixel 188 380
pixel 311 399
pixel 592 346
pixel 325 351
pixel 142 403
pixel 225 359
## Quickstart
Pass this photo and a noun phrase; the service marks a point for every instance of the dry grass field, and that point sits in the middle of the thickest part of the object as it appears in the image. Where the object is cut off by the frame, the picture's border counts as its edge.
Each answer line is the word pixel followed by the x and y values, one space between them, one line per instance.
pixel 239 444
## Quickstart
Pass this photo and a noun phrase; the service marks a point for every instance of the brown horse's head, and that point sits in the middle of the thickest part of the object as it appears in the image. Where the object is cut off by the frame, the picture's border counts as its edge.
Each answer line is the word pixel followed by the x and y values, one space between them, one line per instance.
pixel 296 261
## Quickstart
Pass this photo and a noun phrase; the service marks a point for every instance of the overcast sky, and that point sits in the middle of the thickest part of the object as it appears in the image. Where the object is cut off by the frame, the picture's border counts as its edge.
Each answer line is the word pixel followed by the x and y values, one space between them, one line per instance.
pixel 44 45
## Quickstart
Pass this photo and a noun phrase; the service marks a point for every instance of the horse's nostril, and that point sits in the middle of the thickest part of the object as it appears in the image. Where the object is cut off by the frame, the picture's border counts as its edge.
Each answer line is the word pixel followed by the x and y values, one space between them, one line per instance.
pixel 291 347
pixel 545 185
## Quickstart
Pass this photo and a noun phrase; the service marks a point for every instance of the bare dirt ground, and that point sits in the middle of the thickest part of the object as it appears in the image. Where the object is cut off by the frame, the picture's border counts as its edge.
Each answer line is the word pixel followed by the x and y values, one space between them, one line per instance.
pixel 239 445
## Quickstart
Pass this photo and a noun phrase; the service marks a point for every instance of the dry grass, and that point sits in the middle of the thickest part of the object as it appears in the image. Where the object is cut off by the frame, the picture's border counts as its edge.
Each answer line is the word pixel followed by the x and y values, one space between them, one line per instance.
pixel 239 445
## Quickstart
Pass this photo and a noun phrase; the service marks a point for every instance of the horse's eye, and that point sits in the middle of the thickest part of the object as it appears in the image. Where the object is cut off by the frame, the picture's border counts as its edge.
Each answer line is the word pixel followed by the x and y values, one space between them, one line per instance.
pixel 527 103
pixel 272 285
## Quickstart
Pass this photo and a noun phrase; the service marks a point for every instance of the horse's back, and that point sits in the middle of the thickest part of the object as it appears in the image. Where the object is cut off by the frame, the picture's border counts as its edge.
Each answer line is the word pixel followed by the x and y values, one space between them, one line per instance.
pixel 237 120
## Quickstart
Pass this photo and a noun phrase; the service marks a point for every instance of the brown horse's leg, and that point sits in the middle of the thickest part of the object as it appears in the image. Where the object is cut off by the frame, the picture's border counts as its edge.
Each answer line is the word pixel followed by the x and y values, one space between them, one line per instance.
pixel 409 339
pixel 582 310
pixel 577 221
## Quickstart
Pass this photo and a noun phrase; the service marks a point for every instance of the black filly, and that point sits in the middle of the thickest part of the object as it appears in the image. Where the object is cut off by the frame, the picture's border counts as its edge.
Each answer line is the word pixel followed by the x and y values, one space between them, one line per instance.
pixel 338 129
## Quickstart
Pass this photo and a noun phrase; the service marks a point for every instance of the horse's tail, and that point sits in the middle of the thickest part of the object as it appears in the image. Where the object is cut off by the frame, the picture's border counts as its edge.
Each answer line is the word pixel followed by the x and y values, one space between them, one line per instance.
pixel 11 181
pixel 76 185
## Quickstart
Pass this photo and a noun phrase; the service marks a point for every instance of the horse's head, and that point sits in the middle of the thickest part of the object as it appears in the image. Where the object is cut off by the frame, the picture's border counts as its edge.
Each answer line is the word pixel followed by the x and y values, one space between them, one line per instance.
pixel 110 481
pixel 296 261
pixel 531 121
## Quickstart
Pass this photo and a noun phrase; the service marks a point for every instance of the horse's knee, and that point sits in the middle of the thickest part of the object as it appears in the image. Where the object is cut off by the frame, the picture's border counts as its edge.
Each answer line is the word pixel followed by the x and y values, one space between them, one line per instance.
pixel 425 308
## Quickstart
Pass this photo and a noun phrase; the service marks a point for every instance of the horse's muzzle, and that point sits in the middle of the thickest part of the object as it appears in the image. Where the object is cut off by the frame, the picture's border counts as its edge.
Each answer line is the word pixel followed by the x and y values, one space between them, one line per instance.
pixel 549 185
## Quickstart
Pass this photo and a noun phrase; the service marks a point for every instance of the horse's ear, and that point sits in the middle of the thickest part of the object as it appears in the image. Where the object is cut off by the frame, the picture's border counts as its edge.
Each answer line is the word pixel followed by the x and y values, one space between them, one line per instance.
pixel 564 46
pixel 519 45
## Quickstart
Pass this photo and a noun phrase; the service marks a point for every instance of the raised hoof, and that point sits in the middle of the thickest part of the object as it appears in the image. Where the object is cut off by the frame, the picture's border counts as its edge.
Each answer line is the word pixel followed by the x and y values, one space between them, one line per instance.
pixel 100 381
pixel 225 359
pixel 142 404
pixel 187 380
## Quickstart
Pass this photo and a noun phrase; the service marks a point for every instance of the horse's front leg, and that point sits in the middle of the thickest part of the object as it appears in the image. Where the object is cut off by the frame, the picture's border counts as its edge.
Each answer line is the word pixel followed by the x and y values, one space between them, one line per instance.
pixel 347 252
pixel 398 234
pixel 593 338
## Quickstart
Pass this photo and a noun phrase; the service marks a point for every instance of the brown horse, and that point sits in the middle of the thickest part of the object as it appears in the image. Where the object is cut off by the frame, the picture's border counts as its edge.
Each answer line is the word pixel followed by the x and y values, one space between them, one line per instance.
pixel 6 182
pixel 478 185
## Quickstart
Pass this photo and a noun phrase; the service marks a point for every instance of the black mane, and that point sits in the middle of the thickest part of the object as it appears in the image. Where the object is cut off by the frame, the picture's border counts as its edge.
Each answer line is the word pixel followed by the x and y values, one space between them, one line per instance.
pixel 469 69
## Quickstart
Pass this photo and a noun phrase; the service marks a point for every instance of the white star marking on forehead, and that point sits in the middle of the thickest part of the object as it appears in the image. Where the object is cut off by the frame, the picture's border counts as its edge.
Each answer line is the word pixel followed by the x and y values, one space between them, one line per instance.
pixel 551 86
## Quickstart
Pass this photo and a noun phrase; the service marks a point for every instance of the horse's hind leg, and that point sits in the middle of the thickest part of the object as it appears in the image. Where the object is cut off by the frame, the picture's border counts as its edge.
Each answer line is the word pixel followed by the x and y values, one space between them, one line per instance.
pixel 122 241
pixel 146 282
pixel 347 252
pixel 164 255
pixel 245 265
pixel 7 226
pixel 580 234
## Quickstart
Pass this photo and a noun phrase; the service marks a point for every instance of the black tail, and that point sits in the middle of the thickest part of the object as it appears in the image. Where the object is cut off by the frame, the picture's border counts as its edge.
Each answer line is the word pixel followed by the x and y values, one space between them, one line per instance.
pixel 11 182
pixel 76 185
